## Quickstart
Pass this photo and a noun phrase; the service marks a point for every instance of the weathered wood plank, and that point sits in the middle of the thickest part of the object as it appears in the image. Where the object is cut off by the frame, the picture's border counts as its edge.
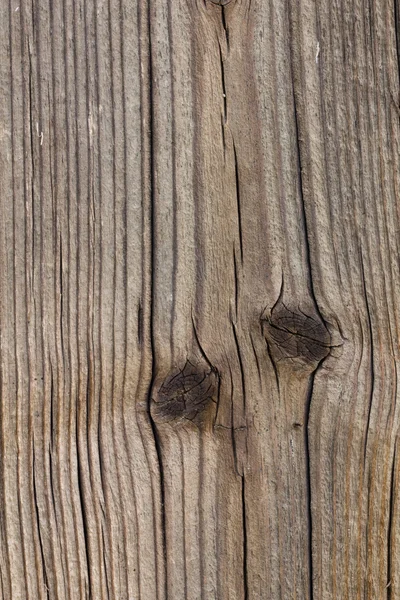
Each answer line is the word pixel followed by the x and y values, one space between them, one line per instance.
pixel 80 483
pixel 199 344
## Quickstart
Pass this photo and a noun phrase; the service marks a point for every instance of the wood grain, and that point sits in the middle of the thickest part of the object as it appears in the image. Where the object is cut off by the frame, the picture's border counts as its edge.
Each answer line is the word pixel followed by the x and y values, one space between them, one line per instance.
pixel 199 318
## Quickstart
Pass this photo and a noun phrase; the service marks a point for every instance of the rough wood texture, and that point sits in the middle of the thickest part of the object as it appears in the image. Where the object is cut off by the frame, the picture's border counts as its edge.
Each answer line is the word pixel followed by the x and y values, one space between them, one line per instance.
pixel 199 309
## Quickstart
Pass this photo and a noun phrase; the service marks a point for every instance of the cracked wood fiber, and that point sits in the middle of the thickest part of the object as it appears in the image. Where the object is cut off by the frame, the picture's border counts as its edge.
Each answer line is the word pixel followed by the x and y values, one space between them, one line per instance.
pixel 199 300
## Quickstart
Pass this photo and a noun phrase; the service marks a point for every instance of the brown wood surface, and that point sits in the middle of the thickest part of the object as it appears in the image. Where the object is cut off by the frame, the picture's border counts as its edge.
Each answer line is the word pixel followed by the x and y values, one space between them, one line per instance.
pixel 199 300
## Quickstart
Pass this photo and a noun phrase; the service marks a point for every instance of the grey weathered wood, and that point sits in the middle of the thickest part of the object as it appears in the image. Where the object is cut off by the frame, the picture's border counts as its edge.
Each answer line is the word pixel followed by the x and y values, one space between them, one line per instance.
pixel 199 343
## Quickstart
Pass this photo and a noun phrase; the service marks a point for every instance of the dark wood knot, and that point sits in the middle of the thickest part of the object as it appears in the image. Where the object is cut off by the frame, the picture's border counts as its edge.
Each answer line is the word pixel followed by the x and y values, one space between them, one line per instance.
pixel 221 2
pixel 188 394
pixel 294 335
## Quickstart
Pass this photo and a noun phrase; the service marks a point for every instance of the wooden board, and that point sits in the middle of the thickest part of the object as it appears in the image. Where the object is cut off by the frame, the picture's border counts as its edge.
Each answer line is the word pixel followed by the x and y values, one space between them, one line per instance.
pixel 199 300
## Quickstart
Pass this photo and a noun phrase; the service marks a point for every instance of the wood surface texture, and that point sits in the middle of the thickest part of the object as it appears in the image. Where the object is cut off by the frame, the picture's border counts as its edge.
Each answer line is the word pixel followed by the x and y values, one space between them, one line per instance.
pixel 199 300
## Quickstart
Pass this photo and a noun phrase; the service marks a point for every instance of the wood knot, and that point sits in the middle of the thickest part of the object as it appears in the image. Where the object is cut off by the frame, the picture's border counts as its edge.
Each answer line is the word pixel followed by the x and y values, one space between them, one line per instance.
pixel 293 335
pixel 221 2
pixel 188 394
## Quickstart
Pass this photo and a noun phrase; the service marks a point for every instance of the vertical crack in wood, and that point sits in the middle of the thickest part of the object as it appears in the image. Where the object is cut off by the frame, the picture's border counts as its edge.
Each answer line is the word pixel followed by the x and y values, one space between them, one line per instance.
pixel 238 199
pixel 80 476
pixel 308 478
pixel 236 283
pixel 240 359
pixel 221 60
pixel 224 25
pixel 139 323
pixel 371 358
